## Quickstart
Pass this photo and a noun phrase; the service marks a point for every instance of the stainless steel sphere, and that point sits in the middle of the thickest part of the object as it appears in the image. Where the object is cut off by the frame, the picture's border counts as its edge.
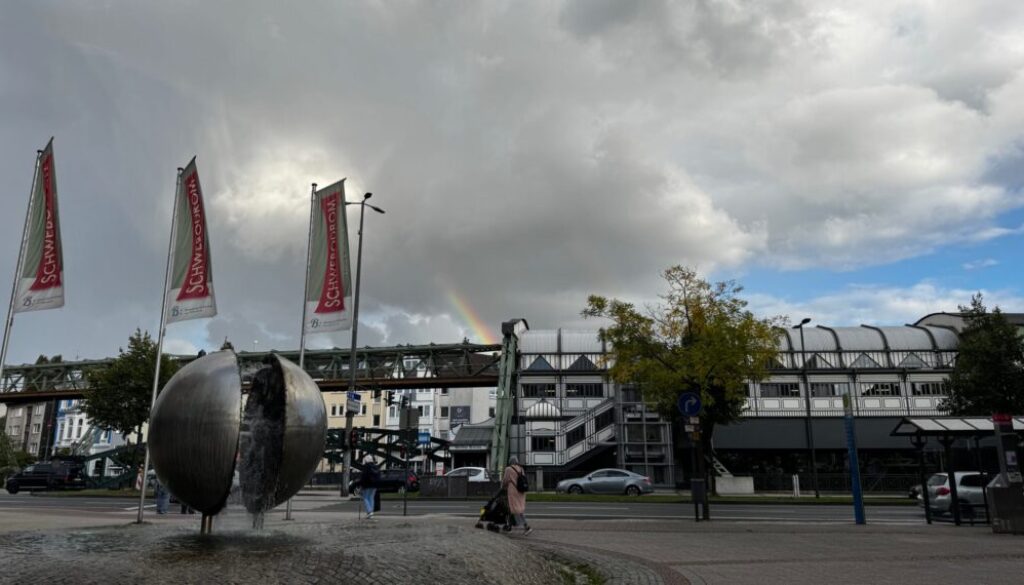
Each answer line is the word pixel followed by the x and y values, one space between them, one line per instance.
pixel 203 434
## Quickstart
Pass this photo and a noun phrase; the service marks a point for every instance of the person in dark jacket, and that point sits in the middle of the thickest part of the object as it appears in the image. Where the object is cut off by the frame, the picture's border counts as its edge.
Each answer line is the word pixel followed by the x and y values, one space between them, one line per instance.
pixel 368 481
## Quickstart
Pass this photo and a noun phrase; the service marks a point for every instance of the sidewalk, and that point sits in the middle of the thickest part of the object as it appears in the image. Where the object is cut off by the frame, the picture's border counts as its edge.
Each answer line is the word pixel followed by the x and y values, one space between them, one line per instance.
pixel 761 553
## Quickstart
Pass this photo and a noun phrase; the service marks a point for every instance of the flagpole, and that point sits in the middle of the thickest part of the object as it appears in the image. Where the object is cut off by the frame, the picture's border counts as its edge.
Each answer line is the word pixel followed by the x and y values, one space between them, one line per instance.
pixel 160 339
pixel 305 292
pixel 9 323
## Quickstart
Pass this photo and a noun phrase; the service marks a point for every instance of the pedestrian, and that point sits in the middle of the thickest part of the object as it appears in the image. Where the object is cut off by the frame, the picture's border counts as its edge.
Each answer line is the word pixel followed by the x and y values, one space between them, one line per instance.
pixel 515 484
pixel 368 481
pixel 163 497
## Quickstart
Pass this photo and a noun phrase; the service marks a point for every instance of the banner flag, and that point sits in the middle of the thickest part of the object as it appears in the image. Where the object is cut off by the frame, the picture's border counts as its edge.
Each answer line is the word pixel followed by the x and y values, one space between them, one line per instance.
pixel 329 284
pixel 190 288
pixel 40 283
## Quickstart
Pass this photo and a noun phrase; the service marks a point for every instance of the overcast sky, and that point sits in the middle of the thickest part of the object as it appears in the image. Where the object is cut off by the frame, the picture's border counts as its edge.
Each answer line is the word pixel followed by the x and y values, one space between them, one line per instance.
pixel 856 162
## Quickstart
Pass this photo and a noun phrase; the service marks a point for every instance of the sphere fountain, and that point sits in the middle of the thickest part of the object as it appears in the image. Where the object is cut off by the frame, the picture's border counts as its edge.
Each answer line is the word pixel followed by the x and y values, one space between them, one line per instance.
pixel 203 434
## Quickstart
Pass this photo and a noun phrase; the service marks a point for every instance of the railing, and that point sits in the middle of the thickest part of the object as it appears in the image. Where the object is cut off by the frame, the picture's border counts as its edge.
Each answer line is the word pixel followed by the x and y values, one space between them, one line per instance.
pixel 836 482
pixel 832 406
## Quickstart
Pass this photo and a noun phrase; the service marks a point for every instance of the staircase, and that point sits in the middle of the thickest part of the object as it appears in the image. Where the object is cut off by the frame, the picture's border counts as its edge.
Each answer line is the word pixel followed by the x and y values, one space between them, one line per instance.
pixel 593 436
pixel 720 469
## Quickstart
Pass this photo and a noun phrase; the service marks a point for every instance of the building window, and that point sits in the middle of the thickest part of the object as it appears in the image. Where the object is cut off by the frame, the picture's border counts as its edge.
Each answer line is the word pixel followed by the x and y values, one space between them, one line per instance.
pixel 37 427
pixel 780 390
pixel 827 390
pixel 444 412
pixel 32 448
pixel 490 412
pixel 539 390
pixel 79 435
pixel 392 412
pixel 376 420
pixel 584 390
pixel 15 429
pixel 604 419
pixel 362 411
pixel 334 410
pixel 880 389
pixel 542 444
pixel 444 392
pixel 928 389
pixel 575 436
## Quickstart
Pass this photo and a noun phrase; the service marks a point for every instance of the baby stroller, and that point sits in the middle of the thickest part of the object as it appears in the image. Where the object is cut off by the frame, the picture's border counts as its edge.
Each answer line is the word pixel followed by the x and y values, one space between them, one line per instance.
pixel 494 515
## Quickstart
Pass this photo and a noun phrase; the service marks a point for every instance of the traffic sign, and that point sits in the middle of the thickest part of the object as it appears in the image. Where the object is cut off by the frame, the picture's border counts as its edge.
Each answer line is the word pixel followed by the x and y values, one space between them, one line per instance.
pixel 424 438
pixel 689 404
pixel 354 405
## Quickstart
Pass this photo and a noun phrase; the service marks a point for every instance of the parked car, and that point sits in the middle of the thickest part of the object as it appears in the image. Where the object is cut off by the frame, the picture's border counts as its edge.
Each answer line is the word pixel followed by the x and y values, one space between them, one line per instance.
pixel 475 474
pixel 391 481
pixel 47 475
pixel 607 481
pixel 970 487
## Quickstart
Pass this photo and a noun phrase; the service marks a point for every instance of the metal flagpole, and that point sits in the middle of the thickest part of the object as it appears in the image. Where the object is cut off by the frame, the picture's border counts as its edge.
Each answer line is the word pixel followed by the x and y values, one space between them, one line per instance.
pixel 17 269
pixel 305 292
pixel 160 340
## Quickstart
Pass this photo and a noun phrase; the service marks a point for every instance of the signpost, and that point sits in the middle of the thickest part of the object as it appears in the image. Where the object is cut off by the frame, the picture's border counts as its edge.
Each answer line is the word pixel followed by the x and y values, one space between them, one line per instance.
pixel 690 407
pixel 851 448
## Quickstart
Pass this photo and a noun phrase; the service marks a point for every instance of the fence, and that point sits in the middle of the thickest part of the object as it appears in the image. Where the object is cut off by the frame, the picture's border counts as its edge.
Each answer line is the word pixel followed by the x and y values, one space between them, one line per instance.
pixel 837 482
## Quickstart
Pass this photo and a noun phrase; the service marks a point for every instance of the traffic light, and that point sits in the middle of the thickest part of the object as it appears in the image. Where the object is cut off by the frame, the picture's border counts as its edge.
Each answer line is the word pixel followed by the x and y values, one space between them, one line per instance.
pixel 390 398
pixel 405 401
pixel 353 439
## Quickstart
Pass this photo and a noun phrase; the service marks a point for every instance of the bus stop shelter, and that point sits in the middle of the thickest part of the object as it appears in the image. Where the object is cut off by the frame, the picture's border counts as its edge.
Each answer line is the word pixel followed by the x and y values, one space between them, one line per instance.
pixel 946 430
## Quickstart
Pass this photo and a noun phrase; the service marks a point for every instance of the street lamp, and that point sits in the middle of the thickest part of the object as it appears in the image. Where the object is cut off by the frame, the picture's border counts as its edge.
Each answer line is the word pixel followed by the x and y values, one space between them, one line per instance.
pixel 809 428
pixel 346 473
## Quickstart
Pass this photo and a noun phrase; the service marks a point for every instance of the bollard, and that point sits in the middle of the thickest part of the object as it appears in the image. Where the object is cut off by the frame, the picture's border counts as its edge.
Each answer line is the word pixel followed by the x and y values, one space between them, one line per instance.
pixel 796 485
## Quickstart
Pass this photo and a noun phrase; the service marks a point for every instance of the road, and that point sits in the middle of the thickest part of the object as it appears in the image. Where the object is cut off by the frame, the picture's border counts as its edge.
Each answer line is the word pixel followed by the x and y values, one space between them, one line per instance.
pixel 779 513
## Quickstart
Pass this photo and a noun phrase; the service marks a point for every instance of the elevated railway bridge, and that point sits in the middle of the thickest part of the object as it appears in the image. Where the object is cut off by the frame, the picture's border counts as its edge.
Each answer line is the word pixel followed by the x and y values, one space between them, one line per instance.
pixel 460 365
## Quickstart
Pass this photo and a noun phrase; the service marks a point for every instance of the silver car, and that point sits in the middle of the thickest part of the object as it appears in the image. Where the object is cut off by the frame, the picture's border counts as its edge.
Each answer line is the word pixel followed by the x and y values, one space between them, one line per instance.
pixel 607 481
pixel 969 488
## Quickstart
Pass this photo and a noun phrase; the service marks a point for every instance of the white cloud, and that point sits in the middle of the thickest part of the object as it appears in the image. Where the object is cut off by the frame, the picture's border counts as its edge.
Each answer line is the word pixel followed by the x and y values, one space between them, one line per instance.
pixel 976 264
pixel 880 304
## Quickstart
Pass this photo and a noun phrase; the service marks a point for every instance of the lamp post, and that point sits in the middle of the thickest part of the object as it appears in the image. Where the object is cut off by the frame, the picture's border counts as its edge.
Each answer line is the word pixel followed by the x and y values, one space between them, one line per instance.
pixel 809 428
pixel 346 471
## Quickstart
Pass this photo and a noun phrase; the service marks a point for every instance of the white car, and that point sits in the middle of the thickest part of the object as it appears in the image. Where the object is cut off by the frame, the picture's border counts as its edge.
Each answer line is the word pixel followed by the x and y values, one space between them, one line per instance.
pixel 970 486
pixel 475 474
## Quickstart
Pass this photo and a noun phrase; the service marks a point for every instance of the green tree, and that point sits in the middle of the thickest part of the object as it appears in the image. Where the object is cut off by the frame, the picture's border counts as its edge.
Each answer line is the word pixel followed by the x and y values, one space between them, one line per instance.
pixel 119 395
pixel 989 374
pixel 699 338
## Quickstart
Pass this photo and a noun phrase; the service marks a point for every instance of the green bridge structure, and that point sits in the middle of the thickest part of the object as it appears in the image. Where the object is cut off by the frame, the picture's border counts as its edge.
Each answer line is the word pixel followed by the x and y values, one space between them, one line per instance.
pixel 457 365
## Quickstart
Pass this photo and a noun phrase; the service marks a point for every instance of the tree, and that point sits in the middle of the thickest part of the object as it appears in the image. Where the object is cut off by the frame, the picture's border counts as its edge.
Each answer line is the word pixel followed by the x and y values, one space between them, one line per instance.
pixel 700 338
pixel 989 374
pixel 119 395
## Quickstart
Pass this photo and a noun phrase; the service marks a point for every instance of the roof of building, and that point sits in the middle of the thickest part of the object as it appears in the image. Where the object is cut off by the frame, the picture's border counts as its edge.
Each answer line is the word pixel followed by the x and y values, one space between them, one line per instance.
pixel 870 338
pixel 560 341
pixel 473 437
pixel 950 426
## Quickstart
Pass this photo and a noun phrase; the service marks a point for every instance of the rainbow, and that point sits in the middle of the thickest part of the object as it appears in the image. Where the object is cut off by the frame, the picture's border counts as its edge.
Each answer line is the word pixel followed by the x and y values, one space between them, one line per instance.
pixel 476 324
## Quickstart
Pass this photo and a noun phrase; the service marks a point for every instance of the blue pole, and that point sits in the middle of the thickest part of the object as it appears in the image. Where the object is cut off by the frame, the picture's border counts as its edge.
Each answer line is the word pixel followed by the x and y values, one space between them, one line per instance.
pixel 851 447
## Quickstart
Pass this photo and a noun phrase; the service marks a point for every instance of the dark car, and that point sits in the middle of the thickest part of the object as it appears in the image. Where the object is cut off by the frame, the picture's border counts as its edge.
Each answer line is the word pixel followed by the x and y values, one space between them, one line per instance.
pixel 391 481
pixel 47 475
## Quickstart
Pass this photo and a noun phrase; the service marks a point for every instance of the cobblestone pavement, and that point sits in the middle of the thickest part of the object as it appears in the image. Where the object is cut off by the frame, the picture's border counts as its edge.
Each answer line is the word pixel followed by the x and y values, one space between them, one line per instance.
pixel 385 551
pixel 720 552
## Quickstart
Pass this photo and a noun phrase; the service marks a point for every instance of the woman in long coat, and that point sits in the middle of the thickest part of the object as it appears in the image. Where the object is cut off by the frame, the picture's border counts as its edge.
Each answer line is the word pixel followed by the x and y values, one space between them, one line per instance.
pixel 516 498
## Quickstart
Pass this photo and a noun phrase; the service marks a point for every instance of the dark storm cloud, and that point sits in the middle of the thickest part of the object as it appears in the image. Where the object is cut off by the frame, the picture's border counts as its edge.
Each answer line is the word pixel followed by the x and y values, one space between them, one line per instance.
pixel 527 154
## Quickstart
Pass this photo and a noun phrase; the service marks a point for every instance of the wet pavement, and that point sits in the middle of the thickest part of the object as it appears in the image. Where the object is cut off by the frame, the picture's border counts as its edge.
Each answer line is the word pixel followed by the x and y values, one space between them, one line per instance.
pixel 351 551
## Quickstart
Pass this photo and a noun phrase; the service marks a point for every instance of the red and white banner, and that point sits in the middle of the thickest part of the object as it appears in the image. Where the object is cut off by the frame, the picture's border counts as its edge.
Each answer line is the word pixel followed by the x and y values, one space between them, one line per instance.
pixel 41 275
pixel 190 288
pixel 328 288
